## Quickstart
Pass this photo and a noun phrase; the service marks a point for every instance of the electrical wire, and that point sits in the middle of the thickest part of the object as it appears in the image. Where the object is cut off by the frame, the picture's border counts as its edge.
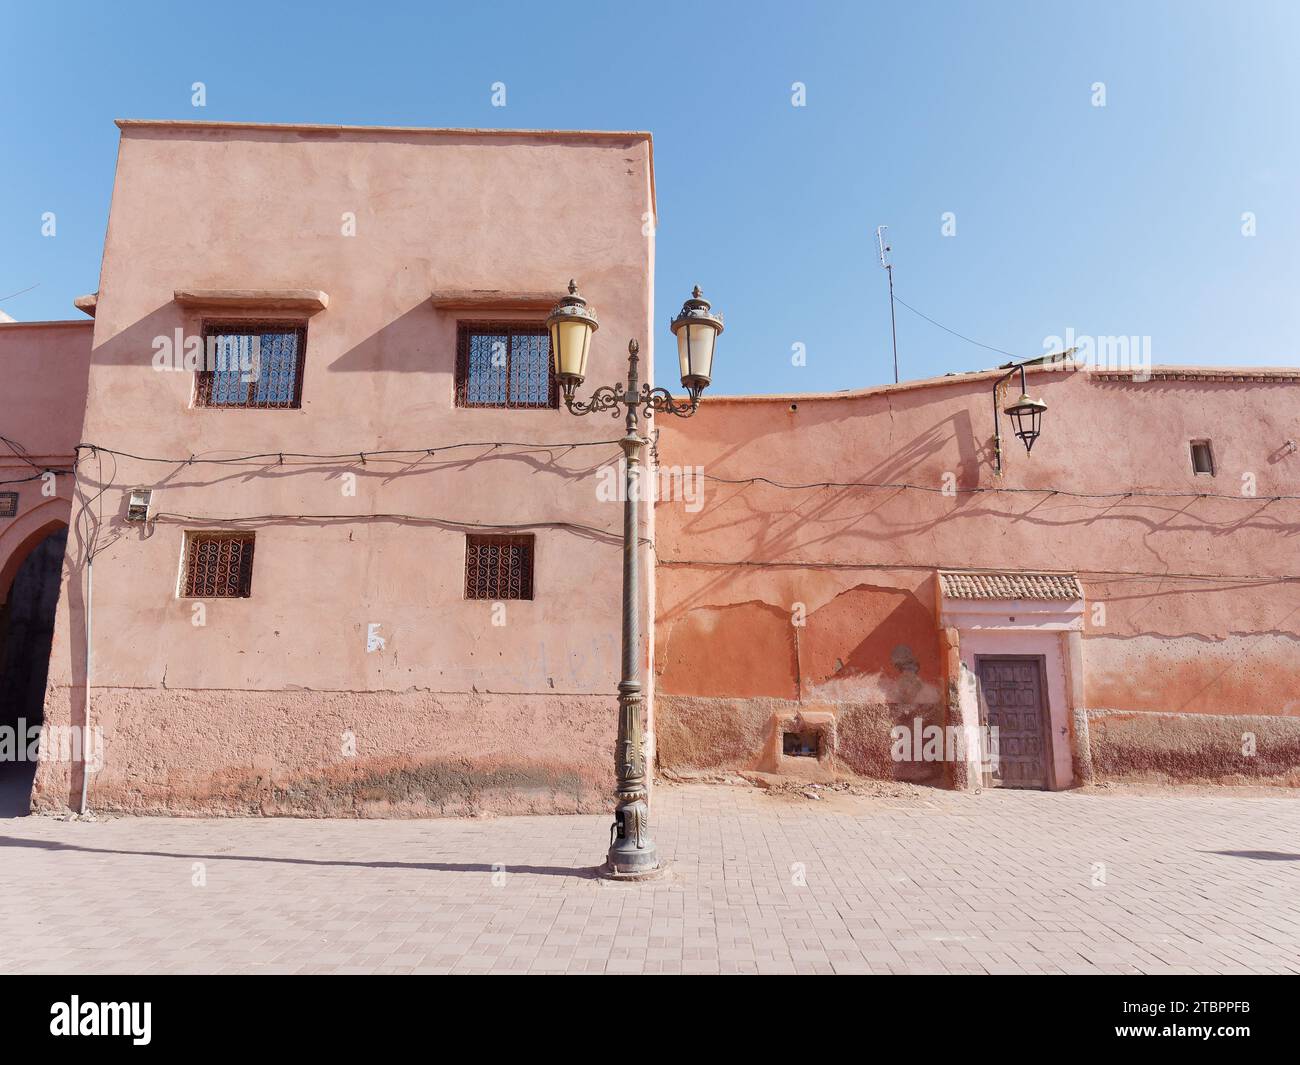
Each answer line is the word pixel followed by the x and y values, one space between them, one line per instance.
pixel 1252 579
pixel 33 477
pixel 96 522
pixel 1133 492
pixel 426 519
pixel 22 453
pixel 362 455
pixel 21 291
pixel 959 336
pixel 907 485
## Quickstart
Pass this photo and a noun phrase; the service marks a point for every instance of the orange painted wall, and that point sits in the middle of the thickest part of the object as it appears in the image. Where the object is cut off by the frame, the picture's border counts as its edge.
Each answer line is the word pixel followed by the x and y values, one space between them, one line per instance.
pixel 857 562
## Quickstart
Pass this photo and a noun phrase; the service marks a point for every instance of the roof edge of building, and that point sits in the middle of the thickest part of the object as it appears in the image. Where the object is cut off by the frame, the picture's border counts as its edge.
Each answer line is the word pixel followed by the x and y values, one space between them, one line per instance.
pixel 52 323
pixel 178 125
pixel 325 127
pixel 1232 374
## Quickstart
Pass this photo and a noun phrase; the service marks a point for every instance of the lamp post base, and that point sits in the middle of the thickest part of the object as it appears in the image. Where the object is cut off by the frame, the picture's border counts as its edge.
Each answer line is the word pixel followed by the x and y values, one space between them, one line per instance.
pixel 631 850
pixel 656 872
pixel 633 862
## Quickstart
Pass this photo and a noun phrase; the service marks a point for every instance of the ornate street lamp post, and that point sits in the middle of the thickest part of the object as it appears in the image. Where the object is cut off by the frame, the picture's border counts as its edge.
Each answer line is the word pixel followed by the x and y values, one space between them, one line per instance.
pixel 571 325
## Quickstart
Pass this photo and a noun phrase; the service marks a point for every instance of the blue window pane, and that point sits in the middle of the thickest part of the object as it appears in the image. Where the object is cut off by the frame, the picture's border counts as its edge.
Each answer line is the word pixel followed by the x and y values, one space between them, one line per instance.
pixel 506 367
pixel 251 369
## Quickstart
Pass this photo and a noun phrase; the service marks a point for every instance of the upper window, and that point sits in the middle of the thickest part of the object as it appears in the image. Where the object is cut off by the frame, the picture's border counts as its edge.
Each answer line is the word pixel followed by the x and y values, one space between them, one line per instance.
pixel 251 364
pixel 504 365
pixel 218 565
pixel 1202 457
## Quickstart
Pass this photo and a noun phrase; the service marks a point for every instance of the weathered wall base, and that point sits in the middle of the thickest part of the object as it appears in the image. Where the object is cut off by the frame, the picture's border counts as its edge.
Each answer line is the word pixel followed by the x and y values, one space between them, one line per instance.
pixel 696 732
pixel 1192 748
pixel 417 754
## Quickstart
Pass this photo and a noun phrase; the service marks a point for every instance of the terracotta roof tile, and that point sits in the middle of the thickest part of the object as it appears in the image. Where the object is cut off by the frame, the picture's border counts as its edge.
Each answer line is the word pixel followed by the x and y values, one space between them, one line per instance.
pixel 958 585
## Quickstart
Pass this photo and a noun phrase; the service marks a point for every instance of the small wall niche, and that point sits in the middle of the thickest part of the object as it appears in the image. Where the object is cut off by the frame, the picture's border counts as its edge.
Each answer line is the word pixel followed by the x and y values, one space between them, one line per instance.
pixel 800 743
pixel 1202 458
pixel 803 744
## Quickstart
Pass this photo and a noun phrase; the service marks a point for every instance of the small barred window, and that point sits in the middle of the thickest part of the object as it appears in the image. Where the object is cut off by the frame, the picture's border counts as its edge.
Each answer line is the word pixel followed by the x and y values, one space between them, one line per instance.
pixel 218 565
pixel 499 567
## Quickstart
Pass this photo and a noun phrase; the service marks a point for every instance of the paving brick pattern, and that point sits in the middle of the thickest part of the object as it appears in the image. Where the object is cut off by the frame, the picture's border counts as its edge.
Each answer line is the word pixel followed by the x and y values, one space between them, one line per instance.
pixel 998 882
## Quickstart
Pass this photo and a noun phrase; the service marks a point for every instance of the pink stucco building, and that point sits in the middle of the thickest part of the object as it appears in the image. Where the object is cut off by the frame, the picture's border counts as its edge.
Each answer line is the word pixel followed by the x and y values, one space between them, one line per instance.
pixel 357 676
pixel 334 549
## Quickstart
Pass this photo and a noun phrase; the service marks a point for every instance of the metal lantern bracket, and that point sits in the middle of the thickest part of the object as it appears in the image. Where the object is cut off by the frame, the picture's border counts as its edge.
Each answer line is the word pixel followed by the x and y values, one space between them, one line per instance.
pixel 1023 404
pixel 634 397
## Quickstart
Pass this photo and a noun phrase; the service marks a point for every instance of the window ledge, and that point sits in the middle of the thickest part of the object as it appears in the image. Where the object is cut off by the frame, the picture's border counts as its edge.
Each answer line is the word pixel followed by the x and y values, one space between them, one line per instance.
pixel 493 300
pixel 301 300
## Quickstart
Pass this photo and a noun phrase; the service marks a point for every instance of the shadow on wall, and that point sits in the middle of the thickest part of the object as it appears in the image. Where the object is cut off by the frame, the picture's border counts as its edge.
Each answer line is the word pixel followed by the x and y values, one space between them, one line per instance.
pixel 732 678
pixel 789 532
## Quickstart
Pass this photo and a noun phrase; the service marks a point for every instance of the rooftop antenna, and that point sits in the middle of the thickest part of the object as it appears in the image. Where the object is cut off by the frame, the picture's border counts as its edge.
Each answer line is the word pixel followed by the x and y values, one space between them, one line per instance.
pixel 885 249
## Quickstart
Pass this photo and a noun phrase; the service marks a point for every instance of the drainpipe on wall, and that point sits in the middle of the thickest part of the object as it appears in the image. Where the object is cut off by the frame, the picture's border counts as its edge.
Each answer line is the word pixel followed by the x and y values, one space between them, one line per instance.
pixel 85 733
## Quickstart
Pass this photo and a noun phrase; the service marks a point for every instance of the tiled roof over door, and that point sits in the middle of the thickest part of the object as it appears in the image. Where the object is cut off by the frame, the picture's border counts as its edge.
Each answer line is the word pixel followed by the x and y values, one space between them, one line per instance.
pixel 1057 586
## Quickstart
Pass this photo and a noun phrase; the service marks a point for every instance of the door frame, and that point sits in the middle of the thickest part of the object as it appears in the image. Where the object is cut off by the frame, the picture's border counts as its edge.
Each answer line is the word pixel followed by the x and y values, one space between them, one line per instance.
pixel 1047 755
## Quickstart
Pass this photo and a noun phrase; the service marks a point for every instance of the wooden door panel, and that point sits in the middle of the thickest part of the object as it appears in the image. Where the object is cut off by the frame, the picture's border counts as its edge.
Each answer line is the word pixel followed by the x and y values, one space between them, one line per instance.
pixel 1012 692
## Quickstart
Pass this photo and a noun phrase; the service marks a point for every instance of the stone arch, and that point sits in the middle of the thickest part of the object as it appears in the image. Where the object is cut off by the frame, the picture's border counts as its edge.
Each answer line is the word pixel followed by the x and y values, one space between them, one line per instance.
pixel 23 534
pixel 32 553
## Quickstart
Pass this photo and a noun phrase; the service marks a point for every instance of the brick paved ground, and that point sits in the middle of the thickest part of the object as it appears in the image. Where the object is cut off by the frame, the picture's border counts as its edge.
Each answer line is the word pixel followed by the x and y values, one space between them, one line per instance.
pixel 939 882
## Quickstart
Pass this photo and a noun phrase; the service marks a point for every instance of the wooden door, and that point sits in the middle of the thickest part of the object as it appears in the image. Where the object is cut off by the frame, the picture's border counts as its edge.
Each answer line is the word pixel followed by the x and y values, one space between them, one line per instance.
pixel 1013 699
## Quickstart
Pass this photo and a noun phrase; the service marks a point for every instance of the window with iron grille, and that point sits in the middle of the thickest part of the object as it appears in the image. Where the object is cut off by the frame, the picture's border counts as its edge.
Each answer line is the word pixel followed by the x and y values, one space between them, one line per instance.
pixel 218 565
pixel 504 365
pixel 251 364
pixel 498 567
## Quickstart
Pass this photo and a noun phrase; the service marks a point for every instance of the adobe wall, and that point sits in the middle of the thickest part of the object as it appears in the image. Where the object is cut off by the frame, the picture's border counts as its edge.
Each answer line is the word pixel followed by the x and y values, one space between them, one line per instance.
pixel 246 706
pixel 1173 667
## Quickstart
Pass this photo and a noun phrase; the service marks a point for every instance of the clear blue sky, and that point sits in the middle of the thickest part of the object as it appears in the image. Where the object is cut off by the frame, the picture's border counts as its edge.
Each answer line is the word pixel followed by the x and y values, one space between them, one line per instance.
pixel 1115 220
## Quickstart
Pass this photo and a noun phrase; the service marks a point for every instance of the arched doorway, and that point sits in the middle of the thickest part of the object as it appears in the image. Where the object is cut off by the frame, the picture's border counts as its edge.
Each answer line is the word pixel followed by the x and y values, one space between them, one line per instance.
pixel 26 631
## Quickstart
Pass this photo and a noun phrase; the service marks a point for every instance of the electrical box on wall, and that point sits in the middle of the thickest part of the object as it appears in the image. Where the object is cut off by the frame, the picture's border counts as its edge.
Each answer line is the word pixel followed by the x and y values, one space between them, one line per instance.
pixel 138 508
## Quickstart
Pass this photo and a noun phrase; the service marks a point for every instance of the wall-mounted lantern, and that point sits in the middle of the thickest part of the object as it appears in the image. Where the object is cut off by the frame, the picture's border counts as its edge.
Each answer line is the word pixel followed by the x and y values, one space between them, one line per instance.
pixel 1026 416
